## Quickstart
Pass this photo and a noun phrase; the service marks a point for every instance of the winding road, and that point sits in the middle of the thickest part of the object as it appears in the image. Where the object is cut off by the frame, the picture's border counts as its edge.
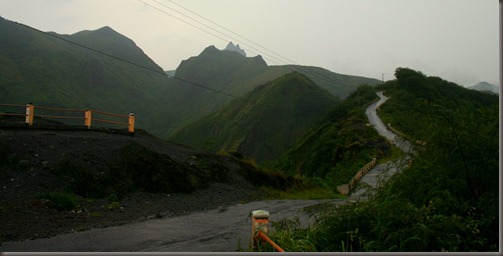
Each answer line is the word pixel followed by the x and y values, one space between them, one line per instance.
pixel 220 230
pixel 381 172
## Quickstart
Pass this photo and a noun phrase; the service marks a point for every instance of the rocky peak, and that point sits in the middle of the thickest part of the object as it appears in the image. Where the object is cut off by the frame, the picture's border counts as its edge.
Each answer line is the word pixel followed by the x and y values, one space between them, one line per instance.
pixel 235 48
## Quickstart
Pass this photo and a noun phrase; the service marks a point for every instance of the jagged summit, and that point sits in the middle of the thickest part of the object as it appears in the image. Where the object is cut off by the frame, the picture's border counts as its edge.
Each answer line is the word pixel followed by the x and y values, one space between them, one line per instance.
pixel 235 48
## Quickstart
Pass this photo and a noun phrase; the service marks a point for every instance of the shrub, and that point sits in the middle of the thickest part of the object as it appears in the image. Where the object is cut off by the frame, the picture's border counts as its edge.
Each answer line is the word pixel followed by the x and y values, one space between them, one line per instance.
pixel 61 201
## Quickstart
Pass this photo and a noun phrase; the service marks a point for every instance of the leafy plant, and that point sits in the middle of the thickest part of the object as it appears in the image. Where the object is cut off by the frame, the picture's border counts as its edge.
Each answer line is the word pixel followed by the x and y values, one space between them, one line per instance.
pixel 59 200
pixel 447 200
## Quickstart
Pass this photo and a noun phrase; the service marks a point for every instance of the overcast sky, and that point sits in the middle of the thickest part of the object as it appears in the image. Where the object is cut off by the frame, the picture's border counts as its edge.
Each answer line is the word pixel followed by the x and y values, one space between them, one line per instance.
pixel 457 40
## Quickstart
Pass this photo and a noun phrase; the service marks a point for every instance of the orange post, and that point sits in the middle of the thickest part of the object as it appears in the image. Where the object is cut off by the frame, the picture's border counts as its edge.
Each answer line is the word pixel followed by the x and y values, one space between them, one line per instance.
pixel 266 239
pixel 131 123
pixel 30 111
pixel 88 119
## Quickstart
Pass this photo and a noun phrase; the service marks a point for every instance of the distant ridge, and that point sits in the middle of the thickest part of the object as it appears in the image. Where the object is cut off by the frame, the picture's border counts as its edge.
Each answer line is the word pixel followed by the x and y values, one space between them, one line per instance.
pixel 54 72
pixel 485 87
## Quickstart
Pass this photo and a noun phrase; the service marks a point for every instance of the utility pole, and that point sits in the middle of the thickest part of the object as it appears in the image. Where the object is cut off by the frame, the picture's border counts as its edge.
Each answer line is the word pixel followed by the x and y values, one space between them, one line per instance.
pixel 382 77
pixel 358 93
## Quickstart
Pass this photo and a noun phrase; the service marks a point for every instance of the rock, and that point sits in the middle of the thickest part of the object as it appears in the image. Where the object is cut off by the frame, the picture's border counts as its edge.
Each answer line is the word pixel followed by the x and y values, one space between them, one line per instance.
pixel 235 48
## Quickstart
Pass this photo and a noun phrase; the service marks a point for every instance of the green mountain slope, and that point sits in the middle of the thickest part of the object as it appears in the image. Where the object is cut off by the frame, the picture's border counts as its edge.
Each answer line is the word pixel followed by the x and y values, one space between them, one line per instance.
pixel 446 199
pixel 38 68
pixel 236 75
pixel 340 146
pixel 413 95
pixel 265 122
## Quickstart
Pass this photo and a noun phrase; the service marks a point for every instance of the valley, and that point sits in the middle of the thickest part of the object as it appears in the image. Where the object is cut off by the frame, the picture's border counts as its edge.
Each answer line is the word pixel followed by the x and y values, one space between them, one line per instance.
pixel 225 133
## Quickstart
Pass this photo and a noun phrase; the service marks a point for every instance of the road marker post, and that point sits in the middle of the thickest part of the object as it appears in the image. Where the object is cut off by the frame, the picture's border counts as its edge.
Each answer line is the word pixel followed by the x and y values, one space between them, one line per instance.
pixel 260 228
pixel 87 121
pixel 30 111
pixel 260 222
pixel 131 124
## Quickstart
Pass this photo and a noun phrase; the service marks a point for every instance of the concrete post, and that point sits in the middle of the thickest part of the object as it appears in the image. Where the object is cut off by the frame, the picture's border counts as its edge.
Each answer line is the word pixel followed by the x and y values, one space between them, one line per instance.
pixel 260 221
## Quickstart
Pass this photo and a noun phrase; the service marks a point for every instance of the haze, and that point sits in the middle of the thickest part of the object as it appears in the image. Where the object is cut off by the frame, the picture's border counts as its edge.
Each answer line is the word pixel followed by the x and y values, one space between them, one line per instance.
pixel 457 40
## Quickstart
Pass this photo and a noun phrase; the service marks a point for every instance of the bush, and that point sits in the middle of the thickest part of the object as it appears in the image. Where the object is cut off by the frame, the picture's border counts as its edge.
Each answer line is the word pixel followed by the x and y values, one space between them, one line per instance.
pixel 61 201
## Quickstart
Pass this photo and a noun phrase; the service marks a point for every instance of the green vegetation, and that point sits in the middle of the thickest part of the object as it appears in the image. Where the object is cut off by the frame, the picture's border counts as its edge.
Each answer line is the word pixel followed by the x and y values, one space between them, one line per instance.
pixel 49 72
pixel 61 201
pixel 447 200
pixel 265 122
pixel 341 145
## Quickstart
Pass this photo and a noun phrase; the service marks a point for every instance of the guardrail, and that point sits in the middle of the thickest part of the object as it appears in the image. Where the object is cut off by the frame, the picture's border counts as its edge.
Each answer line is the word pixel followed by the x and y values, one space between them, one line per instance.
pixel 260 227
pixel 86 115
pixel 404 136
pixel 347 188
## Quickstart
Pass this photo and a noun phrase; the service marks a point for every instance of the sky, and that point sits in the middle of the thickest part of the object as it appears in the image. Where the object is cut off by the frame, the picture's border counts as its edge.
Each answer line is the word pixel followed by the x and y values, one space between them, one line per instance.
pixel 457 40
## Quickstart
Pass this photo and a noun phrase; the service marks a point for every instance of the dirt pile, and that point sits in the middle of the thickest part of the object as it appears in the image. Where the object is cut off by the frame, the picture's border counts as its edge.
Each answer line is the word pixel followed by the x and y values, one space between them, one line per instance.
pixel 55 181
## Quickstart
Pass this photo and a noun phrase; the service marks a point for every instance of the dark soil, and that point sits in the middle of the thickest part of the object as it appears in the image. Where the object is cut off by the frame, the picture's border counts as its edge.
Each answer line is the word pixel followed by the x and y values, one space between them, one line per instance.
pixel 30 158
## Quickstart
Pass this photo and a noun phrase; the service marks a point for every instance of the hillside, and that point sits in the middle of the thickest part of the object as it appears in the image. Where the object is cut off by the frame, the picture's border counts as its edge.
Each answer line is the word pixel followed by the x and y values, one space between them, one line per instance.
pixel 61 179
pixel 234 74
pixel 339 146
pixel 413 94
pixel 50 72
pixel 39 68
pixel 445 200
pixel 264 122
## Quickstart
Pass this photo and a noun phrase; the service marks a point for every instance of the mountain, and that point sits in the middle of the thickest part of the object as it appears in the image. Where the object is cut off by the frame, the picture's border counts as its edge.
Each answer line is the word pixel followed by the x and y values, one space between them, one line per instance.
pixel 170 73
pixel 344 142
pixel 450 181
pixel 235 48
pixel 264 122
pixel 485 87
pixel 232 74
pixel 40 68
pixel 211 72
pixel 339 145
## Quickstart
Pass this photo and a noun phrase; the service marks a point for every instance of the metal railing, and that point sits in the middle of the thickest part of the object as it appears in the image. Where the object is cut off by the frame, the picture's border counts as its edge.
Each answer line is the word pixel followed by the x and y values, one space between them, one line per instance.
pixel 404 136
pixel 31 111
pixel 347 188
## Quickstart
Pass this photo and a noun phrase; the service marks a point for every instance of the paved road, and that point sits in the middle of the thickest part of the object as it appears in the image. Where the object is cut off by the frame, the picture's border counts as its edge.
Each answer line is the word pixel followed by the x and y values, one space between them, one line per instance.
pixel 219 230
pixel 374 120
pixel 382 172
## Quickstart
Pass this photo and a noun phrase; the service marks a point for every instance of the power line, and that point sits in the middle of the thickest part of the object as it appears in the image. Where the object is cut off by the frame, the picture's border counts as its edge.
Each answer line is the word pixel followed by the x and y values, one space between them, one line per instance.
pixel 306 70
pixel 234 33
pixel 128 62
pixel 182 20
pixel 228 30
pixel 331 81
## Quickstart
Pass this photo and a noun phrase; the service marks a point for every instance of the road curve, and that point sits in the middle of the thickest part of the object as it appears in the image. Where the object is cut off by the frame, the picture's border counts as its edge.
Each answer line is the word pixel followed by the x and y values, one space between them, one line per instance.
pixel 220 230
pixel 225 229
pixel 382 172
pixel 371 112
